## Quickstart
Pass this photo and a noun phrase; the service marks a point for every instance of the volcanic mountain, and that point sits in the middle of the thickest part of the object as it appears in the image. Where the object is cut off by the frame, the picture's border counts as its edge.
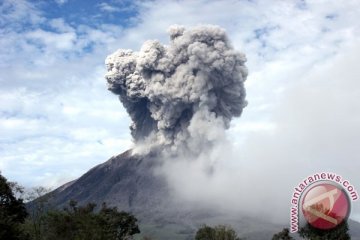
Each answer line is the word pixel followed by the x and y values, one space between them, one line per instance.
pixel 130 183
pixel 125 181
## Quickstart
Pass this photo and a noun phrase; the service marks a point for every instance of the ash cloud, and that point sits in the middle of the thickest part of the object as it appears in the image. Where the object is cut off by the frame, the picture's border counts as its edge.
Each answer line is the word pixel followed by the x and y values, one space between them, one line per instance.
pixel 181 98
pixel 183 94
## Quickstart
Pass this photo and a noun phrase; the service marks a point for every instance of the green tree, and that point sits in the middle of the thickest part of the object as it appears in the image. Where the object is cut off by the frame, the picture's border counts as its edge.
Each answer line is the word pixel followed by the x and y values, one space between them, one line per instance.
pixel 119 225
pixel 219 232
pixel 205 233
pixel 338 233
pixel 84 223
pixel 12 212
pixel 283 235
pixel 38 205
pixel 72 223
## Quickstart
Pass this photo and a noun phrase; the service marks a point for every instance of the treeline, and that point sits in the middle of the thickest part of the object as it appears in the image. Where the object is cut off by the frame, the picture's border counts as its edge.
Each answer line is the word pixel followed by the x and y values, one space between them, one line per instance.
pixel 82 222
pixel 88 222
pixel 308 233
pixel 71 223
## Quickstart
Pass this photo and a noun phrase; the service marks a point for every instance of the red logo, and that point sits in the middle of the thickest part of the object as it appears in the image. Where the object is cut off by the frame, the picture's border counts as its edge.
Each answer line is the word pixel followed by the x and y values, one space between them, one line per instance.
pixel 325 206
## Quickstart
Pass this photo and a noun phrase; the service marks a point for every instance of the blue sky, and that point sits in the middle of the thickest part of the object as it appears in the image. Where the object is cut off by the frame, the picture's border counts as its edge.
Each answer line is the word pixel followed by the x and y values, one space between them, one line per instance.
pixel 57 118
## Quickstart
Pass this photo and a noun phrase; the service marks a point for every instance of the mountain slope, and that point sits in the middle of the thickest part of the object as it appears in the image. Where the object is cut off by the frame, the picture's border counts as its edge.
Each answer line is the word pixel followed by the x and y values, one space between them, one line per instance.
pixel 128 182
pixel 124 181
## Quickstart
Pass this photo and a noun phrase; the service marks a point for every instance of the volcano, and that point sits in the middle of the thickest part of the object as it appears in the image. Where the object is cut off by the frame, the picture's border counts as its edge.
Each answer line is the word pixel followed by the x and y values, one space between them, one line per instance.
pixel 130 183
pixel 125 181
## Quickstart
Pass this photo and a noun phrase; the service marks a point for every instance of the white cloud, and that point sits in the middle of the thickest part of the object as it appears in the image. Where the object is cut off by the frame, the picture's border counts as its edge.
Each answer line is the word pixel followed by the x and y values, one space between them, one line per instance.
pixel 20 11
pixel 108 8
pixel 56 117
pixel 60 25
pixel 317 129
pixel 59 41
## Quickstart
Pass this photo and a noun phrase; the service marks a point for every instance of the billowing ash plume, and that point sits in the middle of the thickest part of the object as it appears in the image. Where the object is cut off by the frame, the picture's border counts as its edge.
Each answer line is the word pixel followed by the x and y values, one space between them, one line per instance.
pixel 188 89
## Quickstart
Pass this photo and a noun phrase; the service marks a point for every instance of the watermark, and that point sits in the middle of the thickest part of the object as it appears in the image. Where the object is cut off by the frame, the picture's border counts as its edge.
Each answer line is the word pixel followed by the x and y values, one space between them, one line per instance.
pixel 325 206
pixel 324 199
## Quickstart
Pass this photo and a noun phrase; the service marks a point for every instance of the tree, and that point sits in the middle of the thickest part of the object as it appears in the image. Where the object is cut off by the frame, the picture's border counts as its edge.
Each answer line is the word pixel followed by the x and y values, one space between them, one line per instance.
pixel 120 225
pixel 12 212
pixel 84 223
pixel 38 205
pixel 283 235
pixel 73 223
pixel 340 232
pixel 205 233
pixel 219 232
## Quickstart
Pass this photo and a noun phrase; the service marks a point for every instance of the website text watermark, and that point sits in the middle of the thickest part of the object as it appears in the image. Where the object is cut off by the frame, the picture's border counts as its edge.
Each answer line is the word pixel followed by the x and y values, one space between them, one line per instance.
pixel 317 177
